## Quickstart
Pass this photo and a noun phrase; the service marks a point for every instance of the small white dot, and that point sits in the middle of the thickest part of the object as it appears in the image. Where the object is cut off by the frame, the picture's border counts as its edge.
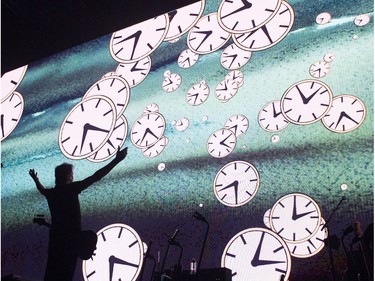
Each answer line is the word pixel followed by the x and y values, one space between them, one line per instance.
pixel 188 141
pixel 173 122
pixel 205 118
pixel 344 186
pixel 355 37
pixel 161 166
pixel 275 138
pixel 200 205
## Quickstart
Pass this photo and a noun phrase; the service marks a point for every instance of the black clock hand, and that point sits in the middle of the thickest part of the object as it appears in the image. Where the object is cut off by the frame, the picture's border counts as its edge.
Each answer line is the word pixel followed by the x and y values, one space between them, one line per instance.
pixel 2 125
pixel 223 142
pixel 196 97
pixel 274 111
pixel 206 33
pixel 235 185
pixel 112 260
pixel 233 59
pixel 136 36
pixel 170 82
pixel 342 115
pixel 304 99
pixel 246 5
pixel 258 262
pixel 296 216
pixel 148 131
pixel 88 127
pixel 223 89
pixel 134 68
pixel 172 14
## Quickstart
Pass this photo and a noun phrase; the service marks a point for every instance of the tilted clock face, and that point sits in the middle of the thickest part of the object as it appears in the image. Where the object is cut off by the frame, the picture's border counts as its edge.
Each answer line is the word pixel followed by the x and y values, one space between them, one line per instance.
pixel 268 34
pixel 197 94
pixel 346 114
pixel 138 41
pixel 207 36
pixel 87 127
pixel 118 255
pixel 306 102
pixel 182 19
pixel 257 252
pixel 295 217
pixel 226 90
pixel 11 112
pixel 238 124
pixel 319 69
pixel 270 117
pixel 147 129
pixel 236 183
pixel 113 87
pixel 135 72
pixel 187 58
pixel 239 16
pixel 10 81
pixel 234 57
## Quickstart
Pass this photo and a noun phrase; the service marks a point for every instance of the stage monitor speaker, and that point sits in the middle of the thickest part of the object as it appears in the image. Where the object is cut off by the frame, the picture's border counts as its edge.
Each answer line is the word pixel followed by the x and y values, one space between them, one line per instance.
pixel 215 274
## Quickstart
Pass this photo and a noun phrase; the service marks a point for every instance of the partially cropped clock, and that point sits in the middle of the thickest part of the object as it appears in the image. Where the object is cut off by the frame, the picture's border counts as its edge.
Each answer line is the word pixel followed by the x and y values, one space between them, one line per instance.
pixel 258 253
pixel 118 255
pixel 11 112
pixel 135 72
pixel 10 81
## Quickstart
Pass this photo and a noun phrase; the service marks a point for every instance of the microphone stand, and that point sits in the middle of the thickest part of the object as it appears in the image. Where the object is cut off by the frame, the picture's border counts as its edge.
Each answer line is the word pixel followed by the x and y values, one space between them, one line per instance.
pixel 147 255
pixel 351 259
pixel 328 242
pixel 171 242
pixel 201 218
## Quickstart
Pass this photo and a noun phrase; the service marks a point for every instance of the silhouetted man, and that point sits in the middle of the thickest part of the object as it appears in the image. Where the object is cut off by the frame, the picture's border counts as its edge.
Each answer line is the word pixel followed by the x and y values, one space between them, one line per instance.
pixel 64 206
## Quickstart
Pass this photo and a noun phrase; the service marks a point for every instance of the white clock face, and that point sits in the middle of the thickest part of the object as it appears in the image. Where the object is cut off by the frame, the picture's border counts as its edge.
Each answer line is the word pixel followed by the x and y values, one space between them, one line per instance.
pixel 171 82
pixel 207 36
pixel 238 124
pixel 11 112
pixel 118 255
pixel 234 57
pixel 270 117
pixel 182 124
pixel 147 129
pixel 239 16
pixel 155 149
pixel 187 58
pixel 270 33
pixel 346 114
pixel 306 102
pixel 236 183
pixel 221 143
pixel 135 72
pixel 133 43
pixel 319 69
pixel 152 107
pixel 226 90
pixel 236 75
pixel 323 18
pixel 183 19
pixel 329 57
pixel 115 141
pixel 257 252
pixel 113 87
pixel 295 217
pixel 10 81
pixel 362 20
pixel 198 94
pixel 87 127
pixel 311 246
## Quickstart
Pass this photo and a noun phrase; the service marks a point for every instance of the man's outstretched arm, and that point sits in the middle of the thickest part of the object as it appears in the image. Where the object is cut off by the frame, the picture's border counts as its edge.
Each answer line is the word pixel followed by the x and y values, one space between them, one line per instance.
pixel 34 176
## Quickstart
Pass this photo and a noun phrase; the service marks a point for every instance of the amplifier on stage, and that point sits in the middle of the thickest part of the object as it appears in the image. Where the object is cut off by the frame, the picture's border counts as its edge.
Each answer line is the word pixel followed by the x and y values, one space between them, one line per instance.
pixel 215 274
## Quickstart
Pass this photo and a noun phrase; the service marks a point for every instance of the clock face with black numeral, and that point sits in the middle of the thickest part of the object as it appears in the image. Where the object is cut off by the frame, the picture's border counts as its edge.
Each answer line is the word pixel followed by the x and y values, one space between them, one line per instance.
pixel 133 43
pixel 118 255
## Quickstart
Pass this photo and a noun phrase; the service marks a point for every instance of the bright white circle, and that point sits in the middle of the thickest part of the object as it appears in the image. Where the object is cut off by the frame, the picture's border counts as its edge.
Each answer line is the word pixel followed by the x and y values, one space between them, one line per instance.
pixel 161 166
pixel 344 186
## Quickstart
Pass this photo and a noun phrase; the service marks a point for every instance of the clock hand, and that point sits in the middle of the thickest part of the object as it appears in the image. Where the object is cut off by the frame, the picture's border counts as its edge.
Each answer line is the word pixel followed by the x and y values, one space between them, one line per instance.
pixel 169 83
pixel 206 33
pixel 2 125
pixel 134 68
pixel 172 14
pixel 246 5
pixel 342 115
pixel 233 59
pixel 88 127
pixel 258 262
pixel 274 111
pixel 235 185
pixel 112 260
pixel 296 216
pixel 196 97
pixel 223 142
pixel 265 31
pixel 148 131
pixel 136 36
pixel 223 89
